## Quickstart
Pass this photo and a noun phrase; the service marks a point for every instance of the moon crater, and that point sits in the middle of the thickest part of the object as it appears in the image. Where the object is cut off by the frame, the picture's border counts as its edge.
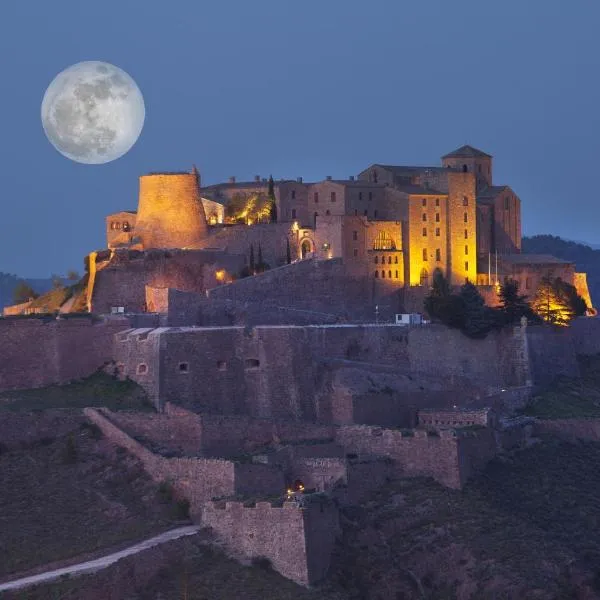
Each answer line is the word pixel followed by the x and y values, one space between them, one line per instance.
pixel 93 112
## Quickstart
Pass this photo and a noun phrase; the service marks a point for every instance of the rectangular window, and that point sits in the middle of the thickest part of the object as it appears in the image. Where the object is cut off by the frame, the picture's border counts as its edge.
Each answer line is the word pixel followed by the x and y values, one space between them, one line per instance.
pixel 293 194
pixel 333 196
pixel 355 235
pixel 466 266
pixel 437 201
pixel 370 195
pixel 293 213
pixel 424 253
pixel 355 251
pixel 437 217
pixel 506 203
pixel 437 232
pixel 316 196
pixel 375 214
pixel 366 213
pixel 424 217
pixel 466 218
pixel 466 250
pixel 465 201
pixel 360 195
pixel 466 234
pixel 424 231
pixel 424 202
pixel 396 272
pixel 438 255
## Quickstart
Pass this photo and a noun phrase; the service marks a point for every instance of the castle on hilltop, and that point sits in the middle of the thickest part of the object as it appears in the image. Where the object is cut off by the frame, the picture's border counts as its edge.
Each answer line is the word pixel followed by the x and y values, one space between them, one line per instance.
pixel 391 228
pixel 258 318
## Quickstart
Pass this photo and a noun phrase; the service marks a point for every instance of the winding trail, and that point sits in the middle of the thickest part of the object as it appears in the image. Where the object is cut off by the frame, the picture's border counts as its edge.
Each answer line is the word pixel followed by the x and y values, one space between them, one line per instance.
pixel 91 566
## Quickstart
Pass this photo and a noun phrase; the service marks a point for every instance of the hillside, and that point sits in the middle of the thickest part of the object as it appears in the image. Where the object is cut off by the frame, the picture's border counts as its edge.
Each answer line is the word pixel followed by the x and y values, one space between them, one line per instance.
pixel 586 259
pixel 8 283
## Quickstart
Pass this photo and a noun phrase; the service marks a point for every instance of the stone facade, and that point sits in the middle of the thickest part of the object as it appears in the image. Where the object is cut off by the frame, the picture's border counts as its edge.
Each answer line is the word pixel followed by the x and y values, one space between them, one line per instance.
pixel 43 351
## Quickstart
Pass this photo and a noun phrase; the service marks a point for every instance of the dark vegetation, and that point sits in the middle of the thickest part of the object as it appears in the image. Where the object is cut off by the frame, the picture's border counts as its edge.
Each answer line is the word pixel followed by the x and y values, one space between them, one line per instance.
pixel 100 389
pixel 586 258
pixel 556 302
pixel 70 493
pixel 570 398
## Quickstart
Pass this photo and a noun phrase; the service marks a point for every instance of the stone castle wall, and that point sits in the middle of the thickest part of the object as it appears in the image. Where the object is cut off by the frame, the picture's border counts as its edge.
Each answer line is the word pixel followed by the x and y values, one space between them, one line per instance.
pixel 552 352
pixel 122 280
pixel 585 333
pixel 277 372
pixel 196 479
pixel 37 352
pixel 309 285
pixel 449 457
pixel 297 541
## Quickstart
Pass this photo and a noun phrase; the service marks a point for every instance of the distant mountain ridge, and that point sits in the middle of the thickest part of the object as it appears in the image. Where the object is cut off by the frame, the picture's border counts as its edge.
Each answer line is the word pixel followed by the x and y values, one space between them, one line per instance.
pixel 586 258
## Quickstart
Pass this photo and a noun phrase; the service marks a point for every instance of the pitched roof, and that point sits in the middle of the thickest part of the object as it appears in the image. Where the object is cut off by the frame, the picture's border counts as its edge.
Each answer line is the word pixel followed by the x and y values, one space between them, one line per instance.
pixel 418 190
pixel 533 259
pixel 467 151
pixel 490 193
pixel 408 169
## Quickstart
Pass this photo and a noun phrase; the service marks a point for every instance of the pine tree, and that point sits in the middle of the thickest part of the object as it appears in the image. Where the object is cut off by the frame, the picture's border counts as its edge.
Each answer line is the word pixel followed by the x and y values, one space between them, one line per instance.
pixel 252 265
pixel 513 306
pixel 551 303
pixel 288 251
pixel 272 199
pixel 478 318
pixel 23 292
pixel 260 265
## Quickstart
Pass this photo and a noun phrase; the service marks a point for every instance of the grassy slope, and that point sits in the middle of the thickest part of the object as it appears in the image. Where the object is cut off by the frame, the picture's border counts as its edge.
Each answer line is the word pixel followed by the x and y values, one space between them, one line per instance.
pixel 571 398
pixel 57 504
pixel 99 389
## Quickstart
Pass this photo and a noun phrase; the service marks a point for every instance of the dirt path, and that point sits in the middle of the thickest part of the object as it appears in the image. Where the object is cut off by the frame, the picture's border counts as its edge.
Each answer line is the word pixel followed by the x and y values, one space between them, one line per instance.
pixel 92 566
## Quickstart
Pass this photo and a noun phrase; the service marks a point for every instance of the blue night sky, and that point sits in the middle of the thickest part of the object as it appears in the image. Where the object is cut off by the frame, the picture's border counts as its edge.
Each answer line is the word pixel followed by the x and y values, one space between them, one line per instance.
pixel 310 88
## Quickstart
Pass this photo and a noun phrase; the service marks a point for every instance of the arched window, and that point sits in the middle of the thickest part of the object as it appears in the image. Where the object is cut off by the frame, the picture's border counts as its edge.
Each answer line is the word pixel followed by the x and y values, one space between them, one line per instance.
pixel 465 169
pixel 395 260
pixel 305 248
pixel 376 259
pixel 384 241
pixel 390 274
pixel 389 260
pixel 327 213
pixel 383 273
pixel 396 273
pixel 377 274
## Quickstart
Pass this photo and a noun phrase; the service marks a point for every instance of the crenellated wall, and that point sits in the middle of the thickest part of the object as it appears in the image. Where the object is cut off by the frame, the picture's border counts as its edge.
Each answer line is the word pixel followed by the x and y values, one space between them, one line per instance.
pixel 449 456
pixel 297 541
pixel 196 479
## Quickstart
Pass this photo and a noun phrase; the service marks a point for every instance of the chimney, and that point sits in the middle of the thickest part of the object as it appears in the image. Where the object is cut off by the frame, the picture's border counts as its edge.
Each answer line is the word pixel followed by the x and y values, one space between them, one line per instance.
pixel 351 177
pixel 299 179
pixel 328 178
pixel 257 178
pixel 232 179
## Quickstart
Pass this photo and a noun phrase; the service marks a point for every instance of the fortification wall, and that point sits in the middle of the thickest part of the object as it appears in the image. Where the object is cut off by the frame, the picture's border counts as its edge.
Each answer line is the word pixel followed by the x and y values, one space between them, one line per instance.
pixel 272 238
pixel 455 418
pixel 281 372
pixel 571 429
pixel 123 280
pixel 310 285
pixel 442 454
pixel 585 332
pixel 36 352
pixel 297 541
pixel 196 479
pixel 551 353
pixel 496 362
pixel 415 454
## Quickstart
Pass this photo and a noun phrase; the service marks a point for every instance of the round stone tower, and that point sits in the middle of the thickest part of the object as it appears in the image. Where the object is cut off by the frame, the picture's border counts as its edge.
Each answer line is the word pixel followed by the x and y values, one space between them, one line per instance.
pixel 170 211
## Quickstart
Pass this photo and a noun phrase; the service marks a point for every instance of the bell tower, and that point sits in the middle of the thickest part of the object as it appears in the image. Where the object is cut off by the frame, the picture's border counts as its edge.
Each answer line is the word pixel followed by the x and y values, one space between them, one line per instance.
pixel 470 160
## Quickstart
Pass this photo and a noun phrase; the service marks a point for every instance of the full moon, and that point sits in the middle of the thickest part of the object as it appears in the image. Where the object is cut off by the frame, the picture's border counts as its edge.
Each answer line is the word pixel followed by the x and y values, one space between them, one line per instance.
pixel 93 112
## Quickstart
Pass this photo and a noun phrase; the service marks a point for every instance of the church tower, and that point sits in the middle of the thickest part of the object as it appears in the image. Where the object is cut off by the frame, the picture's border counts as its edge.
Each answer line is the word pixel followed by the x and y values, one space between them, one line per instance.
pixel 470 160
pixel 170 211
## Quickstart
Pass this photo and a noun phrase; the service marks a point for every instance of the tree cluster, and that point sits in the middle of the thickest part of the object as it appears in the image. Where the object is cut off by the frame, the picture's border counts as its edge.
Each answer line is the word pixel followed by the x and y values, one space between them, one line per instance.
pixel 255 265
pixel 556 302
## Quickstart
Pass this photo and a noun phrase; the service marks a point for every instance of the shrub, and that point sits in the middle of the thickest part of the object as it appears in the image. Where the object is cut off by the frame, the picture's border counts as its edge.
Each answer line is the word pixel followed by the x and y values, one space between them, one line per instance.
pixel 262 562
pixel 181 509
pixel 70 451
pixel 165 492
